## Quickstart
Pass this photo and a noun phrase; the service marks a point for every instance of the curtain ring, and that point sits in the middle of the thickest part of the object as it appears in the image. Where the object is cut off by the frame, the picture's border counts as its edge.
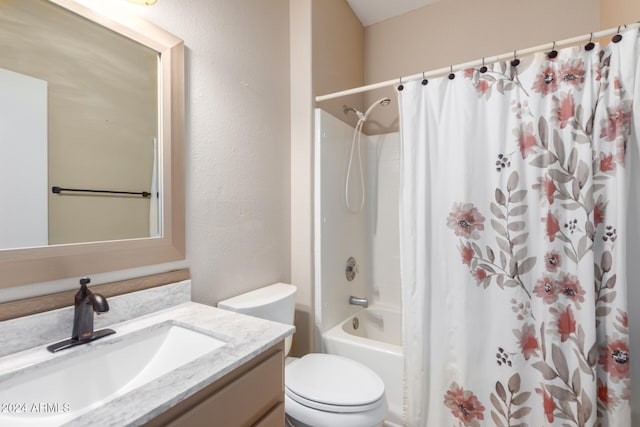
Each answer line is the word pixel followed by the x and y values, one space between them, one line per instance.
pixel 400 85
pixel 618 36
pixel 424 80
pixel 515 61
pixel 553 53
pixel 451 74
pixel 483 69
pixel 590 45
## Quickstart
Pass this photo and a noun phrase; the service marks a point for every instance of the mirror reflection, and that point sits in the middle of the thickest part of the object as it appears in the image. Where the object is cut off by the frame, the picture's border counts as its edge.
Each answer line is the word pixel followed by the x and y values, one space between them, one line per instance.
pixel 79 110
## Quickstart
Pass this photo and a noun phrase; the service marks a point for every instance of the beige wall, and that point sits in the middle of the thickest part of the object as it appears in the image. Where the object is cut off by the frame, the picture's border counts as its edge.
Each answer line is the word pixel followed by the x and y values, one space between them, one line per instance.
pixel 338 56
pixel 618 12
pixel 237 141
pixel 455 31
pixel 301 179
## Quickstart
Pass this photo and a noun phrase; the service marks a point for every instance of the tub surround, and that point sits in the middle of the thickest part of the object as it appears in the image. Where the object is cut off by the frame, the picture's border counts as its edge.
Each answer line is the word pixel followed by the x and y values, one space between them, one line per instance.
pixel 246 337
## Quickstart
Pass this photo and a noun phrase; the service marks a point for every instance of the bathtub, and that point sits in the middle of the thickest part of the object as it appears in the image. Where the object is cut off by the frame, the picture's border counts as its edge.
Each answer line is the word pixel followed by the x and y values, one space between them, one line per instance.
pixel 373 337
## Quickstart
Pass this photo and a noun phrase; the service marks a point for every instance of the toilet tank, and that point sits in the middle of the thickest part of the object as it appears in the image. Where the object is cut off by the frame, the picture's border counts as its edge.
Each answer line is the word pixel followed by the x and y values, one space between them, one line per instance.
pixel 274 302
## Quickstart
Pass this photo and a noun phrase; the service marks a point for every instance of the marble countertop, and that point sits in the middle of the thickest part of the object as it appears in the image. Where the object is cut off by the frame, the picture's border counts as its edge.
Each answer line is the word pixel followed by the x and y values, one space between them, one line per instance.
pixel 245 337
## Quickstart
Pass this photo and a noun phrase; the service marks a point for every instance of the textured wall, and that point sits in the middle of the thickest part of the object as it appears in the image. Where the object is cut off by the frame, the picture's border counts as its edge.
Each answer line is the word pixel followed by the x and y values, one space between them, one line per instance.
pixel 237 141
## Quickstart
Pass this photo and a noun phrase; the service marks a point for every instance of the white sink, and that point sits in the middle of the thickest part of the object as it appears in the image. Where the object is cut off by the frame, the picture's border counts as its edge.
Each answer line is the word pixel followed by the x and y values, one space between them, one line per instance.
pixel 85 377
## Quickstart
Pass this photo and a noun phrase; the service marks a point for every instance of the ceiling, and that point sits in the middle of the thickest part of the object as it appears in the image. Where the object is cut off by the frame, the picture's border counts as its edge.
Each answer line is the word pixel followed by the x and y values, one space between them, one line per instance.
pixel 373 11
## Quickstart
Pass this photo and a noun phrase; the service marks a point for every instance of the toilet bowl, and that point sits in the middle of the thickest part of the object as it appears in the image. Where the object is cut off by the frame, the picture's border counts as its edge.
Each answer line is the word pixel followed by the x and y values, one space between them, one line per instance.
pixel 321 390
pixel 324 390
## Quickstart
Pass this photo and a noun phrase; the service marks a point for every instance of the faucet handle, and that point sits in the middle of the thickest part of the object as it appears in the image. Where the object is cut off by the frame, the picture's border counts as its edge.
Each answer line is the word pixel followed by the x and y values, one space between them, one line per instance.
pixel 352 268
pixel 83 291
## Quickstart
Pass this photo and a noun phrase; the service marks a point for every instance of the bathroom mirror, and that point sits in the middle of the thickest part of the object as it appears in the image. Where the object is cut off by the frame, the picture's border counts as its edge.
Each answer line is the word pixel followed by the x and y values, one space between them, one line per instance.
pixel 92 142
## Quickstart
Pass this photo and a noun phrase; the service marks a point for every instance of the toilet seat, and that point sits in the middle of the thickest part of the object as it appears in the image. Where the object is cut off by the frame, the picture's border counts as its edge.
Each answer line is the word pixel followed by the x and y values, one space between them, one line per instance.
pixel 303 416
pixel 331 383
pixel 332 408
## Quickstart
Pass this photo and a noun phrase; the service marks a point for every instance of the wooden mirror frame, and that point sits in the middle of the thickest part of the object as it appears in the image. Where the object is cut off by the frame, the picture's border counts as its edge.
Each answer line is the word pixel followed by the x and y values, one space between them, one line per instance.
pixel 40 264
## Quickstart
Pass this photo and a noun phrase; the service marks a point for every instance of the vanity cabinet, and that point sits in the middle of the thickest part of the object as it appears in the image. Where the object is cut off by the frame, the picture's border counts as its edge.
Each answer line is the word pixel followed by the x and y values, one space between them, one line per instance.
pixel 251 395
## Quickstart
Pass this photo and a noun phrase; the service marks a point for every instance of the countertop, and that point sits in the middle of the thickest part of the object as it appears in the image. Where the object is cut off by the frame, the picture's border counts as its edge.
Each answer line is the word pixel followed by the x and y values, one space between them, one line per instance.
pixel 245 337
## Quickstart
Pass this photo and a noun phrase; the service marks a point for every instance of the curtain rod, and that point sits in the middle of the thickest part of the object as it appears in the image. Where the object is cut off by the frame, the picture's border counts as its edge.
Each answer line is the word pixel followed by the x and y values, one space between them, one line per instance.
pixel 479 62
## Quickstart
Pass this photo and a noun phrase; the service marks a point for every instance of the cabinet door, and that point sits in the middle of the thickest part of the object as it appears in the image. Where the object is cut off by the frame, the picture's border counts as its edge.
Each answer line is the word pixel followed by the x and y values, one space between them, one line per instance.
pixel 275 418
pixel 244 402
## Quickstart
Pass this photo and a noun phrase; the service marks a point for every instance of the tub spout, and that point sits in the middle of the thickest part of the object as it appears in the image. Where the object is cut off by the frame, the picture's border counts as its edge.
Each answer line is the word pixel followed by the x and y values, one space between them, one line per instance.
pixel 358 301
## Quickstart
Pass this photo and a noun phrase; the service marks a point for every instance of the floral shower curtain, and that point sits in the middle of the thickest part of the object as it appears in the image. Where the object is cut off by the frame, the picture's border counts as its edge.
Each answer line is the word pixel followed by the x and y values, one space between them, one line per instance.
pixel 514 189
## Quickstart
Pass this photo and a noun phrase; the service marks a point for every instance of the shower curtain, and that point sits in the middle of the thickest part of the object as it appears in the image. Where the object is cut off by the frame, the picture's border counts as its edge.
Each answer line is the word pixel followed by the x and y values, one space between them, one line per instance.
pixel 514 187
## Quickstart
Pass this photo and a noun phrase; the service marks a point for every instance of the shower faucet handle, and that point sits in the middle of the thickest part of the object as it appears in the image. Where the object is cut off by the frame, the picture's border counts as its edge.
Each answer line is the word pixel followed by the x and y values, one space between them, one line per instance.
pixel 352 269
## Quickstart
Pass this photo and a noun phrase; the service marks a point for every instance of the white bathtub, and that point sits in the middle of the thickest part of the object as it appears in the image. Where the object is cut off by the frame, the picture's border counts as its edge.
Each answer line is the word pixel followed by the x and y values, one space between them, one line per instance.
pixel 376 343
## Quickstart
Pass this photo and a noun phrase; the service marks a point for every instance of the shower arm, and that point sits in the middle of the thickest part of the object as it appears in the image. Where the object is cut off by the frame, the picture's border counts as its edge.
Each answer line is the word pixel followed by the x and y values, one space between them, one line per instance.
pixel 346 109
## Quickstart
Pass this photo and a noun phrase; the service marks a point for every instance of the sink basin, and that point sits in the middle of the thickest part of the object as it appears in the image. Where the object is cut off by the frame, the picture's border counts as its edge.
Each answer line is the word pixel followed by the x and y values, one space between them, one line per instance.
pixel 88 376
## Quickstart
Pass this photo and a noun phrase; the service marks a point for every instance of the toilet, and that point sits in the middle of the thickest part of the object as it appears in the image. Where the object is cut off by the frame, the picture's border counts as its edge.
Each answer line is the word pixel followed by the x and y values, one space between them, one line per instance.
pixel 321 390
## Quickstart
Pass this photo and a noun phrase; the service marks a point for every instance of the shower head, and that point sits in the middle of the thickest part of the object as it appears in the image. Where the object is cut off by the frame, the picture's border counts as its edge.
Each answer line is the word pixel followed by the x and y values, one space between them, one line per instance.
pixel 382 102
pixel 363 117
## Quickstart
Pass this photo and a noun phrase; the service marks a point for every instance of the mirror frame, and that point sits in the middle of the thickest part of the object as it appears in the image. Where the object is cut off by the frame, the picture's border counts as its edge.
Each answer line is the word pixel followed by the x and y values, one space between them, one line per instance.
pixel 41 264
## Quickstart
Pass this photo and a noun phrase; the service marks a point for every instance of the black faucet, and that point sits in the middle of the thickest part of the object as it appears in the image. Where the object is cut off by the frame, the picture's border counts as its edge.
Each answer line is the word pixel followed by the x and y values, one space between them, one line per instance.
pixel 86 303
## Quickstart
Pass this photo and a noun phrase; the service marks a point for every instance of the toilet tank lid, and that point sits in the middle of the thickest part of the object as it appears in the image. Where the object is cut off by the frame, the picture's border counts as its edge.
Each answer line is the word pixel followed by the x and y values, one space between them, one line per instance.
pixel 258 297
